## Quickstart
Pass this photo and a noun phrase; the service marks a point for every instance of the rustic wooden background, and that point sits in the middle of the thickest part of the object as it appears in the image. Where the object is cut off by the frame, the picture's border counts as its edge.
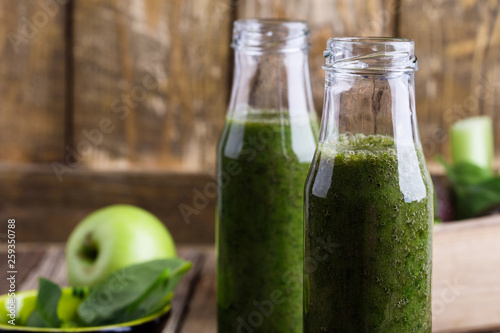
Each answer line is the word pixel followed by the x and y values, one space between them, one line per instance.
pixel 125 99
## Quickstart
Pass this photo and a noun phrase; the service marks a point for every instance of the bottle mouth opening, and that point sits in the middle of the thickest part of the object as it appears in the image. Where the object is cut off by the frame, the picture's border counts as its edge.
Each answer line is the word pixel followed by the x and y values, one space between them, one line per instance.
pixel 370 55
pixel 270 35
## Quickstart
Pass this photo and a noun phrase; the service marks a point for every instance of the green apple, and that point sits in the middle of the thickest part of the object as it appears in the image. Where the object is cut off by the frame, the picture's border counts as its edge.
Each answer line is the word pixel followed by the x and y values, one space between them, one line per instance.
pixel 114 237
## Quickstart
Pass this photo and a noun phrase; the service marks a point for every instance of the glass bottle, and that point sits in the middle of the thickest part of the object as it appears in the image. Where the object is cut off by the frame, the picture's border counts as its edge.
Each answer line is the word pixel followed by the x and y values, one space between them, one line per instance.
pixel 368 196
pixel 264 155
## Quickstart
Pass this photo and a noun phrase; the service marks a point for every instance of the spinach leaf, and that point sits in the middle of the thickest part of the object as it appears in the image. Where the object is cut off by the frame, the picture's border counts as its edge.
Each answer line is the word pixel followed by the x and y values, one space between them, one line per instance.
pixel 476 189
pixel 472 200
pixel 465 173
pixel 45 314
pixel 132 292
pixel 161 294
pixel 35 320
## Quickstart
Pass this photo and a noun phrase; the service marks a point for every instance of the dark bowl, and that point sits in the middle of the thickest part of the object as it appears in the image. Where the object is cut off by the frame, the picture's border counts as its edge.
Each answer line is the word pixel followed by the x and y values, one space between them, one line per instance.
pixel 26 301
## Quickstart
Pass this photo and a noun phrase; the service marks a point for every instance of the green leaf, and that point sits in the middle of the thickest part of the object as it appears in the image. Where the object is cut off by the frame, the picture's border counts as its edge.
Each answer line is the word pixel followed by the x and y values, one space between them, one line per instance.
pixel 469 174
pixel 465 173
pixel 472 200
pixel 475 188
pixel 35 320
pixel 162 294
pixel 132 292
pixel 45 314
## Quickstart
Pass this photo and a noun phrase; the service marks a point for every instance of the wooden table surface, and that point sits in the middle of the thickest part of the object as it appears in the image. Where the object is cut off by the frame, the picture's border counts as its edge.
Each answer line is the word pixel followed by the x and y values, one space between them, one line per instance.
pixel 194 304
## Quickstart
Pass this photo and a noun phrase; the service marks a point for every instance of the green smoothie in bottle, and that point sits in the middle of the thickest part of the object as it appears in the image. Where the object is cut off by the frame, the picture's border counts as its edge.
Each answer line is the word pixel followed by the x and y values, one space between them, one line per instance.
pixel 264 156
pixel 368 197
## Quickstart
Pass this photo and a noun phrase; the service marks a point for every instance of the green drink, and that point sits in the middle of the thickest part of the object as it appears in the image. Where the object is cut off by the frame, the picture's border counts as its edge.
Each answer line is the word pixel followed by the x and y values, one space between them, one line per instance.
pixel 374 273
pixel 368 197
pixel 260 239
pixel 264 155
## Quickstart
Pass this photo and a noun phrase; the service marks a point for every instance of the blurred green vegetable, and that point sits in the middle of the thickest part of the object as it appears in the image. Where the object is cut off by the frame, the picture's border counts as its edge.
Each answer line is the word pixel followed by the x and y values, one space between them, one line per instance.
pixel 476 187
pixel 45 314
pixel 472 142
pixel 475 190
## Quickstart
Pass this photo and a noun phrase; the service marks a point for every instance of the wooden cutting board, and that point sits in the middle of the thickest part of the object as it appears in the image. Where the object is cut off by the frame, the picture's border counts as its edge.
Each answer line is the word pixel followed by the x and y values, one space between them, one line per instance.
pixel 466 275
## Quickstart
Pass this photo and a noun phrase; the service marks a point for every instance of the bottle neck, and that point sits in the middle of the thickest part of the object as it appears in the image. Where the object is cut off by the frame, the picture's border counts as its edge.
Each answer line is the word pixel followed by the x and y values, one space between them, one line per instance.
pixel 370 88
pixel 370 104
pixel 274 82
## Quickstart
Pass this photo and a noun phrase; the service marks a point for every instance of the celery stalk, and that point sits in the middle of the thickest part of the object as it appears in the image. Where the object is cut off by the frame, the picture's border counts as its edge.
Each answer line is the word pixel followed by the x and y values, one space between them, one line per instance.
pixel 472 142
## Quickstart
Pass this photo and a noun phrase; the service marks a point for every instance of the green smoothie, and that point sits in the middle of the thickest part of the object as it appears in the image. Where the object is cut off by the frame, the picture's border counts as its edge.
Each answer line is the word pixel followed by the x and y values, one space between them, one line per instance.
pixel 264 158
pixel 368 244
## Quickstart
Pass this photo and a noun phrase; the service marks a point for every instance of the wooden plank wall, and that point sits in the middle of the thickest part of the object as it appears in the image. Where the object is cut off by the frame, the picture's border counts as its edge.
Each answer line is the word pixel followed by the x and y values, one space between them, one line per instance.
pixel 32 81
pixel 458 44
pixel 109 101
pixel 159 71
pixel 327 19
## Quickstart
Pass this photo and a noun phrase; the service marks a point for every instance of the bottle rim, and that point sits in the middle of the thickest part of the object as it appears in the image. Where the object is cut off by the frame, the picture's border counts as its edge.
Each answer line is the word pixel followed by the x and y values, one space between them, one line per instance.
pixel 370 55
pixel 270 35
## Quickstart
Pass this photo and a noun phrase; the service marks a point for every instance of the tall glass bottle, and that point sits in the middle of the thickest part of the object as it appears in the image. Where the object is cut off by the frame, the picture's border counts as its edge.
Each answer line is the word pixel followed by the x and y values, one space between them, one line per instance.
pixel 368 196
pixel 264 155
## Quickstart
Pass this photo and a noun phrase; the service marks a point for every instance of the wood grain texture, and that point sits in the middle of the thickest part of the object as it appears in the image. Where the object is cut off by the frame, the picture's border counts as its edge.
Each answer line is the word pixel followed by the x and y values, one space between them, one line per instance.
pixel 466 278
pixel 25 262
pixel 51 266
pixel 201 316
pixel 47 210
pixel 32 84
pixel 159 72
pixel 458 44
pixel 337 18
pixel 184 291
